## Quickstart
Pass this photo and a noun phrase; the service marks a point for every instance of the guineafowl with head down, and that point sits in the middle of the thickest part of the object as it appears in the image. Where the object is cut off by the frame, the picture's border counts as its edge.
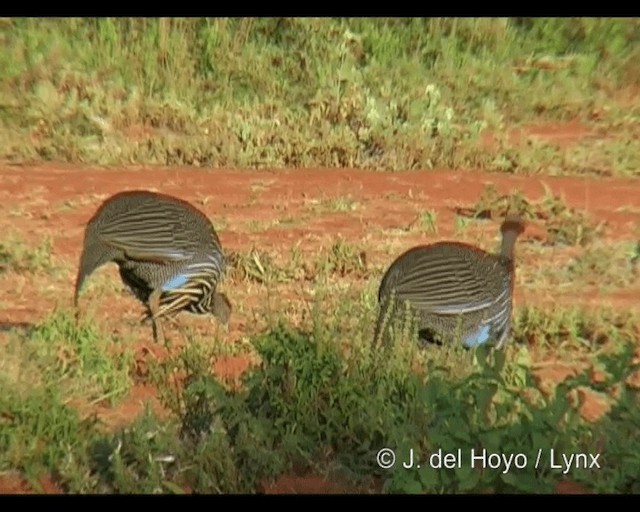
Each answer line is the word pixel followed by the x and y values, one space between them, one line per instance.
pixel 454 290
pixel 167 252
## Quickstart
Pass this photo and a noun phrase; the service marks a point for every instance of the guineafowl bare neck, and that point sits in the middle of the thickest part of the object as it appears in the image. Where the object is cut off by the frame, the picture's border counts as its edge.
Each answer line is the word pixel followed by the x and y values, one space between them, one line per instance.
pixel 508 244
pixel 511 228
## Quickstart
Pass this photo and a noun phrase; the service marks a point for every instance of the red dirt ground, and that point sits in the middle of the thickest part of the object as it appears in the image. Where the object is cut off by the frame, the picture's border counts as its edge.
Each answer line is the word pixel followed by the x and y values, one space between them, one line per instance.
pixel 57 200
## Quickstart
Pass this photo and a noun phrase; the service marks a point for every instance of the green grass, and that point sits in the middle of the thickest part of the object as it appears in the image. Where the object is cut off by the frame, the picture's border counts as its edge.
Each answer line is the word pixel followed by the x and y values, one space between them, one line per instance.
pixel 383 93
pixel 40 434
pixel 564 225
pixel 609 266
pixel 340 259
pixel 49 374
pixel 18 256
pixel 76 359
pixel 334 205
pixel 321 400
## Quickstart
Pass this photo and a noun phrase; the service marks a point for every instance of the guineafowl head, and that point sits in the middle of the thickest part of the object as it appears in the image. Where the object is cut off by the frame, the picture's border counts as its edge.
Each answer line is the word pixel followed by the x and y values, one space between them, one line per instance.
pixel 512 227
pixel 220 307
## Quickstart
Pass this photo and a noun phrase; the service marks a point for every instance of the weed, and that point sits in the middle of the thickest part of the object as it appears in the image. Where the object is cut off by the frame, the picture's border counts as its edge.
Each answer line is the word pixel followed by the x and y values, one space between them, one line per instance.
pixel 461 225
pixel 344 204
pixel 426 221
pixel 39 433
pixel 17 256
pixel 255 265
pixel 573 328
pixel 618 461
pixel 322 399
pixel 564 224
pixel 611 264
pixel 72 357
pixel 342 259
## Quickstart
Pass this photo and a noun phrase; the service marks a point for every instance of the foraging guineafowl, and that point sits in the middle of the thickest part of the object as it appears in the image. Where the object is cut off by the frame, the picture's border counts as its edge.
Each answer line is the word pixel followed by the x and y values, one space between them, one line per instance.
pixel 167 251
pixel 454 290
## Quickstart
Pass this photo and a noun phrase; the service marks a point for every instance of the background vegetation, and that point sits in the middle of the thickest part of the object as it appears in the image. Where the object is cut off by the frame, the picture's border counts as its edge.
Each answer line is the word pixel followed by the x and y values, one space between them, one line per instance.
pixel 377 93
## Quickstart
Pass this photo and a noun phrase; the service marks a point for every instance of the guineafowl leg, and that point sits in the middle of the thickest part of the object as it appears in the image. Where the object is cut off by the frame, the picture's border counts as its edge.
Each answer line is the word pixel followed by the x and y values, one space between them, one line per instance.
pixel 76 317
pixel 154 307
pixel 158 332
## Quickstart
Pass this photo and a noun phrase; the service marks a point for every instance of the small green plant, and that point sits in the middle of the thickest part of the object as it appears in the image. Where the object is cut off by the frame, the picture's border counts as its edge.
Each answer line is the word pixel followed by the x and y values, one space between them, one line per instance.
pixel 573 328
pixel 343 204
pixel 428 221
pixel 322 398
pixel 17 256
pixel 564 225
pixel 40 434
pixel 156 457
pixel 618 461
pixel 610 265
pixel 343 259
pixel 256 265
pixel 71 356
pixel 493 205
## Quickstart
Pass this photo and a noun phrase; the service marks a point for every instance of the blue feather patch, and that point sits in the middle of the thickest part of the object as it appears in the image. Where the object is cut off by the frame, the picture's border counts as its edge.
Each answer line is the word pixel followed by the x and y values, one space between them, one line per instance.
pixel 175 282
pixel 477 338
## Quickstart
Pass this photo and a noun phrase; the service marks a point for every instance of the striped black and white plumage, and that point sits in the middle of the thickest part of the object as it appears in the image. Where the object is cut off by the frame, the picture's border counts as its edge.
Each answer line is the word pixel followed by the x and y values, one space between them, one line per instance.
pixel 455 290
pixel 167 251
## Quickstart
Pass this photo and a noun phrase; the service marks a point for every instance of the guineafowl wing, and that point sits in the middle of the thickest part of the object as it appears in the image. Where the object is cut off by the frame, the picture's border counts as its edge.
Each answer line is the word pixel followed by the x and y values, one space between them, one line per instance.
pixel 444 280
pixel 140 250
pixel 147 232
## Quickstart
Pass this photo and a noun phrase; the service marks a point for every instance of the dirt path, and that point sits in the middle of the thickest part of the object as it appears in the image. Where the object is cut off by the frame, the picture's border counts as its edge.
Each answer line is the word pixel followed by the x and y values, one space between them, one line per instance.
pixel 275 210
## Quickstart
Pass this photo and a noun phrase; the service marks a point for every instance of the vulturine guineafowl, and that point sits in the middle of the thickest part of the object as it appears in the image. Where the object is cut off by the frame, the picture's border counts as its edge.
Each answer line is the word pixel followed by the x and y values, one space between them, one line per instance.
pixel 167 252
pixel 455 291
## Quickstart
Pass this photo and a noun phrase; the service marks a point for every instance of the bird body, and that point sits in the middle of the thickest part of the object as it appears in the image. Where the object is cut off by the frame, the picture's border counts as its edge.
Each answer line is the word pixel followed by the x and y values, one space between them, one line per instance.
pixel 455 289
pixel 167 252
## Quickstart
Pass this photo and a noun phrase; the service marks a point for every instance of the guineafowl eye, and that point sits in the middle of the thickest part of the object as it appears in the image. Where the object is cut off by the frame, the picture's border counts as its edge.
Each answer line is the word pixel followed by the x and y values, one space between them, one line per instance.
pixel 456 291
pixel 167 252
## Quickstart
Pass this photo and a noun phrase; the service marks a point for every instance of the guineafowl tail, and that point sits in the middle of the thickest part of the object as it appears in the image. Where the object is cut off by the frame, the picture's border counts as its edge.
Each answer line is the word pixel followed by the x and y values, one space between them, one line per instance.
pixel 512 227
pixel 193 289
